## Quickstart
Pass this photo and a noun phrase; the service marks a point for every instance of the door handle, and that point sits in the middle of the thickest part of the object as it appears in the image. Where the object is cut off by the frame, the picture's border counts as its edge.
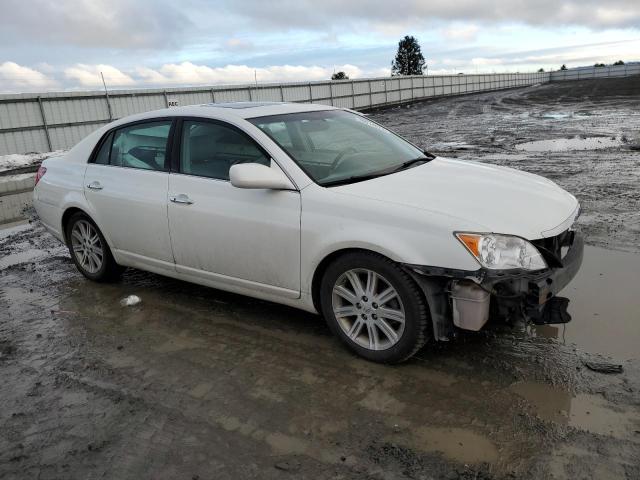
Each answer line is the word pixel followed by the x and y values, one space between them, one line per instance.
pixel 182 199
pixel 95 186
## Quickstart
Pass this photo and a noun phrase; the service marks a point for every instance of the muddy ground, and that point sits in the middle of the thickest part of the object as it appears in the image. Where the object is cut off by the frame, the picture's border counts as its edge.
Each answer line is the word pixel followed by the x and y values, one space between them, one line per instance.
pixel 194 383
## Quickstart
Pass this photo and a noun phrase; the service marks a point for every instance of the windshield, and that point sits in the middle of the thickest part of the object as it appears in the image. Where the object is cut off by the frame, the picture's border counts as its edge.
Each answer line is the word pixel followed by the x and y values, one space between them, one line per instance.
pixel 336 147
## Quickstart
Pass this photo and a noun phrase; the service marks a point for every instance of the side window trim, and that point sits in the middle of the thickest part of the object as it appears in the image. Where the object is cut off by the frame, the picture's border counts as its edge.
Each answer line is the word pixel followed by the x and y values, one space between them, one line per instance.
pixel 169 146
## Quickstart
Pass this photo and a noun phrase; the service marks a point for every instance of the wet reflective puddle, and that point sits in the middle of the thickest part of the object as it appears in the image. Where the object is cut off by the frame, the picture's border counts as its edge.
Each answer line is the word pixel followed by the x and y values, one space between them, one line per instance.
pixel 604 305
pixel 568 144
pixel 590 413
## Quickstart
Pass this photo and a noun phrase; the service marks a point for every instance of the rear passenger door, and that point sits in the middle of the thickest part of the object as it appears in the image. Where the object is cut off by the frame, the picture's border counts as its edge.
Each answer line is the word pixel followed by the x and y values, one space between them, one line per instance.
pixel 126 186
pixel 238 239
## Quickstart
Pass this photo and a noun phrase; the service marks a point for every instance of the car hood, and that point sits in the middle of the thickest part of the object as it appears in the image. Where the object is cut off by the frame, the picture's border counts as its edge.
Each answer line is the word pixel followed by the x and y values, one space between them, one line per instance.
pixel 501 199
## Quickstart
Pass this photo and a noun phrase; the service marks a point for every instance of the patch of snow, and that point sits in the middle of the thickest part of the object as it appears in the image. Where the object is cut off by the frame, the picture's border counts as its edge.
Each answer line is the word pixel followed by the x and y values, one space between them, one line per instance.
pixel 130 301
pixel 21 160
pixel 7 229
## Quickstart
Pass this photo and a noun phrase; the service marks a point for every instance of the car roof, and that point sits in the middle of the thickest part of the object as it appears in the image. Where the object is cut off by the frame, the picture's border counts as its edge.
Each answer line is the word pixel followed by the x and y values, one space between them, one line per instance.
pixel 232 110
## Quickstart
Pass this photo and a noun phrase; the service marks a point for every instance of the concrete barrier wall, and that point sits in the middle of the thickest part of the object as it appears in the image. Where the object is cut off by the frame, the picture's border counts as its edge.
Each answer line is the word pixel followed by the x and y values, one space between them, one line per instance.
pixel 16 193
pixel 57 121
pixel 583 73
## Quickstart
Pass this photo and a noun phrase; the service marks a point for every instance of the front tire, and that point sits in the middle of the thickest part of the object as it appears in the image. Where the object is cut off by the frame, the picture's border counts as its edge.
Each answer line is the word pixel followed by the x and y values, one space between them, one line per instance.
pixel 374 307
pixel 89 250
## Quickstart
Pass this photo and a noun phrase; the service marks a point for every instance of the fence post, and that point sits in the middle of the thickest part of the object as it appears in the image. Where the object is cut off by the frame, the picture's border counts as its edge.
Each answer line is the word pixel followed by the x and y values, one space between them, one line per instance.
pixel 166 99
pixel 386 95
pixel 353 96
pixel 370 94
pixel 213 95
pixel 331 93
pixel 44 124
pixel 310 93
pixel 281 93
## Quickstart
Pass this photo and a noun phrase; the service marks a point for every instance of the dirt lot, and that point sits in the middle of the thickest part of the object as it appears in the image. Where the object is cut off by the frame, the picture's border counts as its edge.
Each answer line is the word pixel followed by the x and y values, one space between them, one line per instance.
pixel 193 383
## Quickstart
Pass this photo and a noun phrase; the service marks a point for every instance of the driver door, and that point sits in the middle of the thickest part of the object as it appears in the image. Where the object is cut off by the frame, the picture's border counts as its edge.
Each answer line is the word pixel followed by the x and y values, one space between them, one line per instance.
pixel 239 239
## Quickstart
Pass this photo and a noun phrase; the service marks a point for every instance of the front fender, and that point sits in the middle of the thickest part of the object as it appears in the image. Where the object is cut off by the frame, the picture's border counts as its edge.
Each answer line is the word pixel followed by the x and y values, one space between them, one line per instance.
pixel 401 233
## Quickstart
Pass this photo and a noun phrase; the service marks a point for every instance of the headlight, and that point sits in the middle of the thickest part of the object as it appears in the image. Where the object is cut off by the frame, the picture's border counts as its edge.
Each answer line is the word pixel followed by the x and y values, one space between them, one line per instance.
pixel 501 252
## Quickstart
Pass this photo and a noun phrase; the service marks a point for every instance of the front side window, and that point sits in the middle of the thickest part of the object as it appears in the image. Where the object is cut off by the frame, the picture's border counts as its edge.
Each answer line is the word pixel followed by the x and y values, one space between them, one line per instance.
pixel 210 149
pixel 143 145
pixel 336 147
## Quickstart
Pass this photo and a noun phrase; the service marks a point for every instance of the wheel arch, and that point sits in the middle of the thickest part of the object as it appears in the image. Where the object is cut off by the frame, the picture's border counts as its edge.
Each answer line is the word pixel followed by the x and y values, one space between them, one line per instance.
pixel 321 268
pixel 69 212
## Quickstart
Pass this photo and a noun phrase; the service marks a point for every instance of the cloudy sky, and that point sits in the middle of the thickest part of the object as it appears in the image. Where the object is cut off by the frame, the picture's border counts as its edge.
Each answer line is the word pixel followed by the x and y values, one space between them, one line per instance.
pixel 65 44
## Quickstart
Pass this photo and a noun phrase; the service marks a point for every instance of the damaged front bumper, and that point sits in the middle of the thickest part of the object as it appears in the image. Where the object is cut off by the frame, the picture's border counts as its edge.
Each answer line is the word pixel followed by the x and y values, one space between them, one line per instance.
pixel 466 299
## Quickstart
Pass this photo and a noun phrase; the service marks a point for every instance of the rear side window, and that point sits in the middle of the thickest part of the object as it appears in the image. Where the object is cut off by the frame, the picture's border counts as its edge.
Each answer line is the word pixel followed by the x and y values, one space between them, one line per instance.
pixel 143 146
pixel 210 149
pixel 102 157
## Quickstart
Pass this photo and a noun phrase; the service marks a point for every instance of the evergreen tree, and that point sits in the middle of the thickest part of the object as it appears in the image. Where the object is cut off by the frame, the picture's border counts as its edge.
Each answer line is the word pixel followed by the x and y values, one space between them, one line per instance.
pixel 339 76
pixel 409 59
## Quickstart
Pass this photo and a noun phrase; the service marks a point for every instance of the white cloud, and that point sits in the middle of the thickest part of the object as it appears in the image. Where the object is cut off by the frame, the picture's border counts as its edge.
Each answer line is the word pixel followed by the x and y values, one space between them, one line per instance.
pixel 461 32
pixel 18 78
pixel 188 73
pixel 238 44
pixel 89 76
pixel 484 62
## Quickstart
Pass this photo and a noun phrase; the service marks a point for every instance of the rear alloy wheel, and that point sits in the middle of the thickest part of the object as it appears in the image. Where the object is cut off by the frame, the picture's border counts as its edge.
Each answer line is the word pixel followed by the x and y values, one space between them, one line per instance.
pixel 89 250
pixel 87 247
pixel 374 307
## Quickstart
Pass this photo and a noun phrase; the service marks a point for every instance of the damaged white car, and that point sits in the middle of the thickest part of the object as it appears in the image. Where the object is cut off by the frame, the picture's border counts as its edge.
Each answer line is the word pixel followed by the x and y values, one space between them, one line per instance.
pixel 318 208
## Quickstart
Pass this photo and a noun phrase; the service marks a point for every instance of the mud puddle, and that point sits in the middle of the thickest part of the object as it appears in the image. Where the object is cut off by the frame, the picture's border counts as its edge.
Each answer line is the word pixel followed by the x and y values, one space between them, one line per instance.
pixel 587 412
pixel 571 144
pixel 605 306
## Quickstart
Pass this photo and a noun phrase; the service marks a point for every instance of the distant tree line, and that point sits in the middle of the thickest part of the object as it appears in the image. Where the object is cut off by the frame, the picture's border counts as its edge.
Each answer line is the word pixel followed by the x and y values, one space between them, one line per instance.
pixel 597 65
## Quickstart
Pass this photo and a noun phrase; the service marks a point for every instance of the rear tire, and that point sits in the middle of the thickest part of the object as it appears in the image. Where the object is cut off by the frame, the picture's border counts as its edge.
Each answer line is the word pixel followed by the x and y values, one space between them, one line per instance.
pixel 374 307
pixel 90 251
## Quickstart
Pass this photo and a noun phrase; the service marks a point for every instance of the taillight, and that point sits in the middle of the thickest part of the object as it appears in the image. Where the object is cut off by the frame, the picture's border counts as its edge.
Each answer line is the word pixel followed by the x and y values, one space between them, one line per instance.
pixel 41 171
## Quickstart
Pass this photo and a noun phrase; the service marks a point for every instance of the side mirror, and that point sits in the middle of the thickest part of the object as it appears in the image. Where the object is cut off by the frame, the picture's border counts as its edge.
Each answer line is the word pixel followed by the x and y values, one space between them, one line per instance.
pixel 256 175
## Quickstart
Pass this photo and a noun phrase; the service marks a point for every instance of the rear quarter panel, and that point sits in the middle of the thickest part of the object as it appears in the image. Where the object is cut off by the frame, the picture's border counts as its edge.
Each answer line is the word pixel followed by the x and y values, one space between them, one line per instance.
pixel 59 189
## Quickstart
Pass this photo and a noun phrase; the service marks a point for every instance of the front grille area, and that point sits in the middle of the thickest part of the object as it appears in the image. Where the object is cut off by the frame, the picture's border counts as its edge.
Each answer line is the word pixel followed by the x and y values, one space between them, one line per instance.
pixel 551 248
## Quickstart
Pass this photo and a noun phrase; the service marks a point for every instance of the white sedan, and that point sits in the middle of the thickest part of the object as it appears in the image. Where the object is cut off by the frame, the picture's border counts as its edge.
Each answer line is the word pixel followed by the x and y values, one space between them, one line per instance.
pixel 319 208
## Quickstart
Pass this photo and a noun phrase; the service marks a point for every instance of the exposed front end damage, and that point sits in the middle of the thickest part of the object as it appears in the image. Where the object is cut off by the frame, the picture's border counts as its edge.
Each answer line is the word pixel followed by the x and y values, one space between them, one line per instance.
pixel 467 299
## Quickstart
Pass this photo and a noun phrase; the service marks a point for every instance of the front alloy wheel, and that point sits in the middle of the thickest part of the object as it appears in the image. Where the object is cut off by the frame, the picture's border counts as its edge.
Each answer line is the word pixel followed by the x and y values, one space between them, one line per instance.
pixel 368 309
pixel 374 307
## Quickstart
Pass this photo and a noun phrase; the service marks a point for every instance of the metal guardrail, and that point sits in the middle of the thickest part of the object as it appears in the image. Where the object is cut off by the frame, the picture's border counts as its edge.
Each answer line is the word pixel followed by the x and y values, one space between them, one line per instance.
pixel 55 121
